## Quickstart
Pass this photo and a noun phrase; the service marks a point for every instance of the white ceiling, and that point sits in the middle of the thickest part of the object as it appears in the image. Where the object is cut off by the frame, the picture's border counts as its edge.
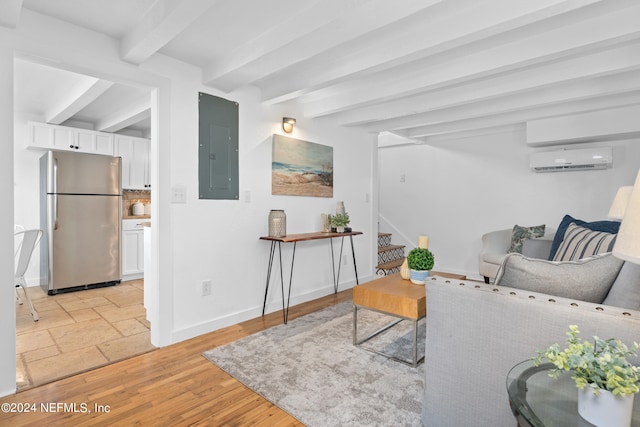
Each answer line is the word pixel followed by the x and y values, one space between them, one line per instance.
pixel 424 69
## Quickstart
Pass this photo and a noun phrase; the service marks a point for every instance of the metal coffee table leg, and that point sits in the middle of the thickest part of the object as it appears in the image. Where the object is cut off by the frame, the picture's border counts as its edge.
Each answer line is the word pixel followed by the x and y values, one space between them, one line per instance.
pixel 358 342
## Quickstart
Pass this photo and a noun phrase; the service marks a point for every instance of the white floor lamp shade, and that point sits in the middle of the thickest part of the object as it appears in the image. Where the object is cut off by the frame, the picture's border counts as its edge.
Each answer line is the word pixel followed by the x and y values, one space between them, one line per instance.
pixel 620 202
pixel 627 245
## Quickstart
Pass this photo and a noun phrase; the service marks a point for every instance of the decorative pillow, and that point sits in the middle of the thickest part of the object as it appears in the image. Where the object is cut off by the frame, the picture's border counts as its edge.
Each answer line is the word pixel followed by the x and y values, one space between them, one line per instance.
pixel 625 292
pixel 580 242
pixel 585 280
pixel 606 226
pixel 519 234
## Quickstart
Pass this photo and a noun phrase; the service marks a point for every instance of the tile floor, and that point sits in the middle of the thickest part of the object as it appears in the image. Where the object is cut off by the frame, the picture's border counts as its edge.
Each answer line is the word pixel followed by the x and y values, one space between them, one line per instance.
pixel 79 331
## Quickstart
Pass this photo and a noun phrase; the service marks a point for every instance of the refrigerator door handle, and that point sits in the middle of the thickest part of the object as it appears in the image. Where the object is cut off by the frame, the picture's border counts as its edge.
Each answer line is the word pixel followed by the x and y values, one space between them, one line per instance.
pixel 55 211
pixel 54 183
pixel 54 178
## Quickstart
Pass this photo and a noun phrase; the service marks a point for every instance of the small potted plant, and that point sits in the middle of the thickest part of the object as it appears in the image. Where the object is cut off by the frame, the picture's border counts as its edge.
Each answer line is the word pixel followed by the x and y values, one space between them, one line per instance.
pixel 602 375
pixel 420 262
pixel 339 221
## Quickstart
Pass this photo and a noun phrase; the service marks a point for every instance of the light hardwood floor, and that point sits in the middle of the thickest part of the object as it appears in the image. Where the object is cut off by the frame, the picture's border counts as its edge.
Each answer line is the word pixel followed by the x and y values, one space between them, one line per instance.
pixel 173 386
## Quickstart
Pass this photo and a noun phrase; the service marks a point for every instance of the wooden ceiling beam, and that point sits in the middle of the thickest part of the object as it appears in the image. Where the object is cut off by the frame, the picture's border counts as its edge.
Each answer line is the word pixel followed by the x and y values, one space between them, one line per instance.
pixel 10 13
pixel 511 55
pixel 164 21
pixel 86 91
pixel 580 90
pixel 300 36
pixel 614 68
pixel 523 115
pixel 126 116
pixel 453 25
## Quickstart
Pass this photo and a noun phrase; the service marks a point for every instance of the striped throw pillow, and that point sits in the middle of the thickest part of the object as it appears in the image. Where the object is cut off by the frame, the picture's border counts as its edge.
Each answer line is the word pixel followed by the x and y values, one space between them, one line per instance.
pixel 580 242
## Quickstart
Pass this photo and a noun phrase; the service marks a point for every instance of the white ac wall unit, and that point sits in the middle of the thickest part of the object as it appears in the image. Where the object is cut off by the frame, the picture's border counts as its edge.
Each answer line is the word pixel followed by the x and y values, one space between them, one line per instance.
pixel 572 160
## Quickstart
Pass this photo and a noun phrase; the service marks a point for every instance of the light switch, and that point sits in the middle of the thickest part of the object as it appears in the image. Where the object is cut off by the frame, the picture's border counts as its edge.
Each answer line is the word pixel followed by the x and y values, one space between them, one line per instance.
pixel 178 194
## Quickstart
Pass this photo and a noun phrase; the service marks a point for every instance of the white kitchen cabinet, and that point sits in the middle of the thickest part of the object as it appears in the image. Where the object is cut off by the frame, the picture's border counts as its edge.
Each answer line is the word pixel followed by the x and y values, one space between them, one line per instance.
pixel 135 161
pixel 51 137
pixel 134 151
pixel 132 249
pixel 90 141
pixel 64 138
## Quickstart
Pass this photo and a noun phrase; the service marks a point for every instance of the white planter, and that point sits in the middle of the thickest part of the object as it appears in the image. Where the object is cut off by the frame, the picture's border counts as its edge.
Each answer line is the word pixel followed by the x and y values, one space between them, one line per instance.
pixel 605 409
pixel 418 277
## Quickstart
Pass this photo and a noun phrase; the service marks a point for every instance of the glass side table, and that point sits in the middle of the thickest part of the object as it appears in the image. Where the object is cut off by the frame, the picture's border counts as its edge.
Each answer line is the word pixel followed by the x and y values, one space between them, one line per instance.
pixel 538 400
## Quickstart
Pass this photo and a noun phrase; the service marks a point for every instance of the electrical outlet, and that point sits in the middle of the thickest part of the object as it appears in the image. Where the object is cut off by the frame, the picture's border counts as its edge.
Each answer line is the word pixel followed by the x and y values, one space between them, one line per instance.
pixel 403 178
pixel 206 288
pixel 344 260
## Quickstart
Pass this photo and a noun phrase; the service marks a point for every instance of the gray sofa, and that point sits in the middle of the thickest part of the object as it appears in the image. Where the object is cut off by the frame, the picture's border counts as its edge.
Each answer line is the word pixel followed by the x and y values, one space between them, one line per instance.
pixel 477 332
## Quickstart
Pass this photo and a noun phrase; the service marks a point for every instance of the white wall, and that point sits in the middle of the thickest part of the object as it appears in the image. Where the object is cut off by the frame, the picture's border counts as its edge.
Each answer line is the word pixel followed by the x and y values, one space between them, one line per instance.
pixel 7 297
pixel 218 240
pixel 458 189
pixel 202 239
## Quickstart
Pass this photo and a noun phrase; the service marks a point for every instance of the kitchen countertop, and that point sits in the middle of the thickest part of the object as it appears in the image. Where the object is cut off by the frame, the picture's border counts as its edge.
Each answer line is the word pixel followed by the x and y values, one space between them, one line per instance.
pixel 136 216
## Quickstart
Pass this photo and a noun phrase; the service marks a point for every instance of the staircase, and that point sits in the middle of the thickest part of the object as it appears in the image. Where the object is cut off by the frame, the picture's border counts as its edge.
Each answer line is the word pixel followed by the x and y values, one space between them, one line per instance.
pixel 390 257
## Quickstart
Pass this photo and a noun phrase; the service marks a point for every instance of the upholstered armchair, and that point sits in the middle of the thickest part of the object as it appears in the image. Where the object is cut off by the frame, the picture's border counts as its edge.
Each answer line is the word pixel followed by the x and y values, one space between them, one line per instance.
pixel 496 244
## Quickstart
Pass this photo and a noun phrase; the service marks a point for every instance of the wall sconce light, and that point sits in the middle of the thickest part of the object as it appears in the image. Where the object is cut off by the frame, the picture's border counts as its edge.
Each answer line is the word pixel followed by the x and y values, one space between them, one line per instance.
pixel 287 124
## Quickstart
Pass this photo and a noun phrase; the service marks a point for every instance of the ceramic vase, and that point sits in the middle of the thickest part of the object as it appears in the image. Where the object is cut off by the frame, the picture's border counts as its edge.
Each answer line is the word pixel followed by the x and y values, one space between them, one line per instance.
pixel 605 409
pixel 340 229
pixel 277 223
pixel 404 270
pixel 418 277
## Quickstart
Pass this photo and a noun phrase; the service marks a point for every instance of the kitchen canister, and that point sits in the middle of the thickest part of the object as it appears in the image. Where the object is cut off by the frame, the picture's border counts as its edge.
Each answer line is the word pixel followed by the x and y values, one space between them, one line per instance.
pixel 137 208
pixel 277 223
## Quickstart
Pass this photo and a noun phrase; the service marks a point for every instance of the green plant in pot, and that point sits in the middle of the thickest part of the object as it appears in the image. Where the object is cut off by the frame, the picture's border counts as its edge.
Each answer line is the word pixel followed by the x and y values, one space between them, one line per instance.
pixel 339 221
pixel 420 262
pixel 602 373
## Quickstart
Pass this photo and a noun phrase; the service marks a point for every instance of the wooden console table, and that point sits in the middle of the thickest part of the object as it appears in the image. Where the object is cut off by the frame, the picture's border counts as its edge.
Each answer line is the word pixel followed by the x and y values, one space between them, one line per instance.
pixel 295 238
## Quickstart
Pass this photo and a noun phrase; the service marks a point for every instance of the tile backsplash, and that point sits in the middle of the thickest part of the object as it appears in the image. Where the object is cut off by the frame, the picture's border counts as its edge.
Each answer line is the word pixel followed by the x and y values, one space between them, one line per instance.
pixel 129 197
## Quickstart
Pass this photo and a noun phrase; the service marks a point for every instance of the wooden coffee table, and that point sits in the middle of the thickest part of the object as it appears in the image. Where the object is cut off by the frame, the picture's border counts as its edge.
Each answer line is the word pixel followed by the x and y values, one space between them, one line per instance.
pixel 396 297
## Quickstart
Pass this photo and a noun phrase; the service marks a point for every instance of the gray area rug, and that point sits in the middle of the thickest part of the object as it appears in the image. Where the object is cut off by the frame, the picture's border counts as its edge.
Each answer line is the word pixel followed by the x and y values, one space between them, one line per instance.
pixel 310 369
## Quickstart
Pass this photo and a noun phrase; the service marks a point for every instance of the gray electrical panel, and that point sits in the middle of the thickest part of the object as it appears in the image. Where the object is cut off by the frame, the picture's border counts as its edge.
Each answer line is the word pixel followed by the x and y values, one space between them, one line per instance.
pixel 218 148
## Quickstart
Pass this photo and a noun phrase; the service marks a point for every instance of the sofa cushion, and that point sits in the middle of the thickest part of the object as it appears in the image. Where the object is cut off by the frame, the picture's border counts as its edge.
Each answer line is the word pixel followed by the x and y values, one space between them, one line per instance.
pixel 519 234
pixel 586 280
pixel 625 292
pixel 606 226
pixel 580 242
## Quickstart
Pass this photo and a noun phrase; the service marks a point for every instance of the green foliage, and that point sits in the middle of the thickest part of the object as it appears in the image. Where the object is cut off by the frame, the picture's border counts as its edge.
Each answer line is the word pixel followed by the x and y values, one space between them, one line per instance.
pixel 339 220
pixel 420 259
pixel 599 365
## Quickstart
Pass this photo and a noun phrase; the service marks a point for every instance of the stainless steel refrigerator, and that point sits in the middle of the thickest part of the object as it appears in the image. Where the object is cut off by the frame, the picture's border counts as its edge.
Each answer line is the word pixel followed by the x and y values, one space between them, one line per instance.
pixel 81 215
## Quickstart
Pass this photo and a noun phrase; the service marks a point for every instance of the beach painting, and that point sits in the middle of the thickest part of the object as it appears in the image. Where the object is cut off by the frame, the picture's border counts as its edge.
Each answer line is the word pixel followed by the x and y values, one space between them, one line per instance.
pixel 301 168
